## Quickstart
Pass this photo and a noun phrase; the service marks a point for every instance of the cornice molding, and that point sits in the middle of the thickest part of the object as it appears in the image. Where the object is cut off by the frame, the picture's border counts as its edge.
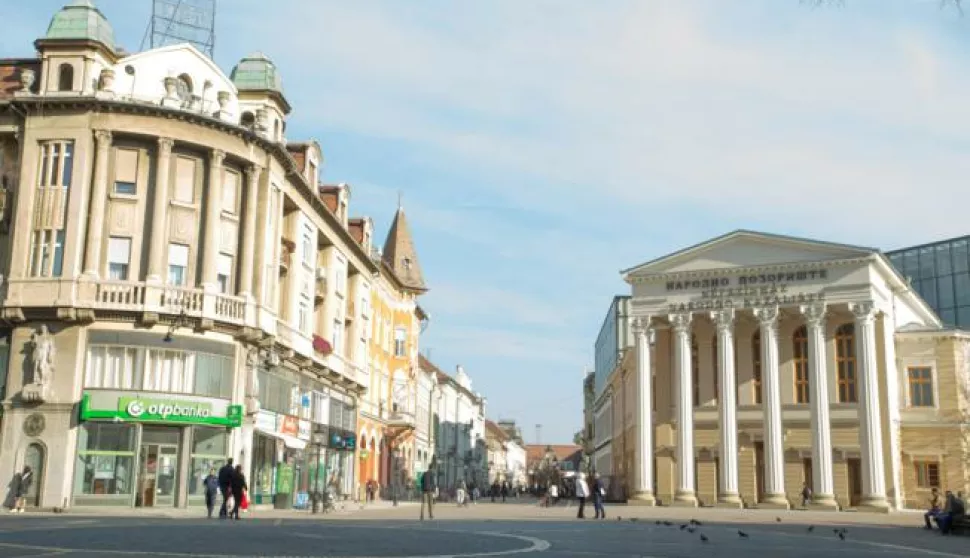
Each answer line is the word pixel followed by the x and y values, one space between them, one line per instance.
pixel 731 271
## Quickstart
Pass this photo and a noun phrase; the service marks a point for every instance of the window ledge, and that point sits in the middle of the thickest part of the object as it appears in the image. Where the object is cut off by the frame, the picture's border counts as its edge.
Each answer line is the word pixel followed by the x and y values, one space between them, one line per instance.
pixel 182 204
pixel 131 198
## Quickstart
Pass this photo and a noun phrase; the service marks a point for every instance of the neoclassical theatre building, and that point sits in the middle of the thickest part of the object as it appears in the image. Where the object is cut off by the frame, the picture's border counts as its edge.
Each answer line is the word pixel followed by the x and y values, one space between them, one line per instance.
pixel 178 287
pixel 771 363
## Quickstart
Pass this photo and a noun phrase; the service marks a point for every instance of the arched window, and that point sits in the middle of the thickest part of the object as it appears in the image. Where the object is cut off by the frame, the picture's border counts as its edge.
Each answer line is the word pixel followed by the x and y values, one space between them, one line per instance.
pixel 756 366
pixel 247 119
pixel 714 366
pixel 277 136
pixel 34 458
pixel 65 77
pixel 800 360
pixel 695 371
pixel 845 363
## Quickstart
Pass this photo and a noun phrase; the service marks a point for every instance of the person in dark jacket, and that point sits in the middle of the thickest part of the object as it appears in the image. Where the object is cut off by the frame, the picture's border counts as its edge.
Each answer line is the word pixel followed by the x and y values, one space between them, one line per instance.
pixel 239 487
pixel 211 486
pixel 23 487
pixel 225 485
pixel 428 486
pixel 599 494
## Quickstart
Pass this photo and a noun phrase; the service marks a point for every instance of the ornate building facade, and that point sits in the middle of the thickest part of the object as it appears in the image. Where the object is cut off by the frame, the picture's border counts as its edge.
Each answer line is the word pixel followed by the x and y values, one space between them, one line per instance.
pixel 179 287
pixel 761 364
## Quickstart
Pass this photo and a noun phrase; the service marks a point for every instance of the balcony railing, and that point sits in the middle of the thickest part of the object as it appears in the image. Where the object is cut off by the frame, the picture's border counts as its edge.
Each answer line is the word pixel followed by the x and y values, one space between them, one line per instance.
pixel 175 300
pixel 120 295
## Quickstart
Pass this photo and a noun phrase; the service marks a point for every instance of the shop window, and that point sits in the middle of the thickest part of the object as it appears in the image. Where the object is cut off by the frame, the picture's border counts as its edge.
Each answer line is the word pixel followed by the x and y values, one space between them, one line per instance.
pixel 213 375
pixel 209 451
pixel 800 360
pixel 126 172
pixel 119 257
pixel 927 474
pixel 111 368
pixel 845 363
pixel 920 381
pixel 105 459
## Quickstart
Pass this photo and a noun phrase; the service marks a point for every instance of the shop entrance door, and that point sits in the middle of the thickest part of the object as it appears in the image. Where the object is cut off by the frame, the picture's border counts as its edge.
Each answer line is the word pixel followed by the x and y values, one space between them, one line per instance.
pixel 157 467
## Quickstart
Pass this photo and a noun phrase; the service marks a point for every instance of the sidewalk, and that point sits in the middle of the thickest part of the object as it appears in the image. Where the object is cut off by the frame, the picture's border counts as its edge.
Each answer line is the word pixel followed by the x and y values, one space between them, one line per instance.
pixel 348 508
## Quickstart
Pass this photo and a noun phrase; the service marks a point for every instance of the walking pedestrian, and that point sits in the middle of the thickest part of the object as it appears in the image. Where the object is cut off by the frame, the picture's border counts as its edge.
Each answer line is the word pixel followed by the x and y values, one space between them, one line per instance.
pixel 225 485
pixel 23 487
pixel 211 486
pixel 428 487
pixel 599 494
pixel 461 494
pixel 239 487
pixel 582 491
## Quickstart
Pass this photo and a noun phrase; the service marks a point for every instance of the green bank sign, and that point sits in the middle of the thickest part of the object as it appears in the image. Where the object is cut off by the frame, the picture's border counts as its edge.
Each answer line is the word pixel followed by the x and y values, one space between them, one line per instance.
pixel 167 409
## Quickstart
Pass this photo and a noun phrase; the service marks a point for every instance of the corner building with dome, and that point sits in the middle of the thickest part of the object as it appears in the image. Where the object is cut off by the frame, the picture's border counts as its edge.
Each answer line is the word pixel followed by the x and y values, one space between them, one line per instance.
pixel 179 287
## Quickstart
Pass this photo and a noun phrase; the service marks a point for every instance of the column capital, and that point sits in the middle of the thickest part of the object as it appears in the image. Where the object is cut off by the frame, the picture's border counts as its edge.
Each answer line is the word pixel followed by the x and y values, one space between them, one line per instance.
pixel 640 324
pixel 165 145
pixel 103 137
pixel 680 321
pixel 864 311
pixel 253 170
pixel 217 156
pixel 814 313
pixel 723 319
pixel 767 315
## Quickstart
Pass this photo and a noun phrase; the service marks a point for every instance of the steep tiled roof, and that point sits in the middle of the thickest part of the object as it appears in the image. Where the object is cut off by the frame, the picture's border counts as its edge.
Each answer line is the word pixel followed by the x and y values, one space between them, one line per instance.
pixel 401 255
pixel 495 431
pixel 563 452
pixel 356 228
pixel 329 195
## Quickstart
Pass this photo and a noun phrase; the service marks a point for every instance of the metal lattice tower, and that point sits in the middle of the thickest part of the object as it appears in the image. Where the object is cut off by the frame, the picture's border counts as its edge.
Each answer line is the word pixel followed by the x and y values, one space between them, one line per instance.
pixel 182 21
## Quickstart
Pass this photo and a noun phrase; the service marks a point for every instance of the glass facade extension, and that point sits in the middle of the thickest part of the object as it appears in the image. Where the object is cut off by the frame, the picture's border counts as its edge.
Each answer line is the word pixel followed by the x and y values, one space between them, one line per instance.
pixel 607 347
pixel 940 273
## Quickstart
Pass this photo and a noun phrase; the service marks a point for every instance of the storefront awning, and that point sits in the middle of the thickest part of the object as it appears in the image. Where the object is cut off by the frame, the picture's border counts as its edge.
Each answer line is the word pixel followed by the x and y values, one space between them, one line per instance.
pixel 290 441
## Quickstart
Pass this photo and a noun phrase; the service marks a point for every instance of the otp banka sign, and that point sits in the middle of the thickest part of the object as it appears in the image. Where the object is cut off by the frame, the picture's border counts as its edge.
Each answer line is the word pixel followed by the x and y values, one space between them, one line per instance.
pixel 140 408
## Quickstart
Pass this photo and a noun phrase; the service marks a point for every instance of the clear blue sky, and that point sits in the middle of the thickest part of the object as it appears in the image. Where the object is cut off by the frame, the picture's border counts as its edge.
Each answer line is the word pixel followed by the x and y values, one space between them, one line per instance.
pixel 542 145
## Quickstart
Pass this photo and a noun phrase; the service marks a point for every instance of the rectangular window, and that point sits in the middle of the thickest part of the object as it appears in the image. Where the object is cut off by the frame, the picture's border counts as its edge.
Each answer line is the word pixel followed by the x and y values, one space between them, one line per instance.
pixel 119 257
pixel 178 264
pixel 340 280
pixel 184 180
pixel 308 246
pixel 105 459
pixel 126 171
pixel 230 192
pixel 400 342
pixel 927 474
pixel 58 264
pixel 111 367
pixel 56 168
pixel 920 379
pixel 224 273
pixel 304 317
pixel 338 336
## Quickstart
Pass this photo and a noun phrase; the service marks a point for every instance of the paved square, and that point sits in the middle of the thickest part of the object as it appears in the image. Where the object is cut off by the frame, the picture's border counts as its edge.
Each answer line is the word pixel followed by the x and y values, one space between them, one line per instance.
pixel 484 530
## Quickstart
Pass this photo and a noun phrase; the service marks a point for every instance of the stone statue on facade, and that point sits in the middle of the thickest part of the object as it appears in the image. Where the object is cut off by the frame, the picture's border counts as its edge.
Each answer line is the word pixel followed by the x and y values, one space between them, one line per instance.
pixel 42 354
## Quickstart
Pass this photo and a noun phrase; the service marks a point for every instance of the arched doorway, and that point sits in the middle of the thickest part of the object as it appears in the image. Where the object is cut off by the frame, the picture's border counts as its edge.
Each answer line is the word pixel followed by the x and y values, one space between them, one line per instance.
pixel 35 458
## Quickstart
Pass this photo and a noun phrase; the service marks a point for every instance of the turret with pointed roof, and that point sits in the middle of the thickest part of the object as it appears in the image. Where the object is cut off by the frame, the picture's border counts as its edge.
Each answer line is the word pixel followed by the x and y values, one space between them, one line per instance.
pixel 401 256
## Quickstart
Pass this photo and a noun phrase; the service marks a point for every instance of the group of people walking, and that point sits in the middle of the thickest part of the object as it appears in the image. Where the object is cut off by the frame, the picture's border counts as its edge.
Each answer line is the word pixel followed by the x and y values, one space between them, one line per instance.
pixel 231 484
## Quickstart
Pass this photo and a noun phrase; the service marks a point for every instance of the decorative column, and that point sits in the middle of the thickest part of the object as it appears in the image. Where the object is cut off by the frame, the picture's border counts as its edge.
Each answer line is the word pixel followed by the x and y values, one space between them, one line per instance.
pixel 246 271
pixel 870 419
pixel 823 485
pixel 213 220
pixel 644 445
pixel 99 198
pixel 685 494
pixel 727 405
pixel 159 238
pixel 771 397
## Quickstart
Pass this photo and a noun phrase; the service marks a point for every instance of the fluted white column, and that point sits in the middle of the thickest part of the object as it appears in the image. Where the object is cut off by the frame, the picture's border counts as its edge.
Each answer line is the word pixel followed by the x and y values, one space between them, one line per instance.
pixel 727 398
pixel 870 419
pixel 99 199
pixel 685 494
pixel 644 493
pixel 771 398
pixel 823 485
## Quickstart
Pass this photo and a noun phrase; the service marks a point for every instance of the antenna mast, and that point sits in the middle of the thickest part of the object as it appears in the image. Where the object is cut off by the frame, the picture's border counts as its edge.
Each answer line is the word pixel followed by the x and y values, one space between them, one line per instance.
pixel 182 21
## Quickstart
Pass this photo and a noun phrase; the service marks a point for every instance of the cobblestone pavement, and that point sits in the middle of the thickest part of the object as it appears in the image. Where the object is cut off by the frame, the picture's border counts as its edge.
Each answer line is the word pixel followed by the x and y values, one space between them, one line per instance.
pixel 483 530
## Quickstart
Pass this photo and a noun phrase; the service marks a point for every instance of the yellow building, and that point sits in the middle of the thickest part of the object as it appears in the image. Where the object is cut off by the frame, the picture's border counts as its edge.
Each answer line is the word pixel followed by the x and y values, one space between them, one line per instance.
pixel 393 434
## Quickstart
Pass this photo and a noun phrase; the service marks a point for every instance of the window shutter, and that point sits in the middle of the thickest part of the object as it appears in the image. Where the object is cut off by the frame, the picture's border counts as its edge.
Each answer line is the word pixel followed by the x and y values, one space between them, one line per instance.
pixel 185 179
pixel 126 165
pixel 119 250
pixel 178 254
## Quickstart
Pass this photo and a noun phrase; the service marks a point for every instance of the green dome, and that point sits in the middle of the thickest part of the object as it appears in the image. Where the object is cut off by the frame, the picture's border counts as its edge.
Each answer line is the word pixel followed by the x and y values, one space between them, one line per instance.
pixel 81 20
pixel 256 72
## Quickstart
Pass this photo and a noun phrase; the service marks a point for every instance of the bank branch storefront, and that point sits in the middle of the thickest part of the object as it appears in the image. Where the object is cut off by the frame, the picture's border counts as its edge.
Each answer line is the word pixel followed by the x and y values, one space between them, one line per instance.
pixel 149 449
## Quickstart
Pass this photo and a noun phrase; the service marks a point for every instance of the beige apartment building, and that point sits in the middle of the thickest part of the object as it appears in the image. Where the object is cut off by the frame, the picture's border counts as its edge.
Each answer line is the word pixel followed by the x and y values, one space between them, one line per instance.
pixel 772 363
pixel 178 285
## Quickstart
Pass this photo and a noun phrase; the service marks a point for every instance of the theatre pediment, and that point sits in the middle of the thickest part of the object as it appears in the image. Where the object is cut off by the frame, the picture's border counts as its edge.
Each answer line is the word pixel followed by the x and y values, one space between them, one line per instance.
pixel 745 249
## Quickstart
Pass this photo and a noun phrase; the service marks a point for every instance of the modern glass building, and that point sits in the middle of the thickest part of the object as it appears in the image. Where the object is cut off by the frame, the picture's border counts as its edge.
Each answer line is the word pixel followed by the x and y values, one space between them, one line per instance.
pixel 940 273
pixel 613 337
